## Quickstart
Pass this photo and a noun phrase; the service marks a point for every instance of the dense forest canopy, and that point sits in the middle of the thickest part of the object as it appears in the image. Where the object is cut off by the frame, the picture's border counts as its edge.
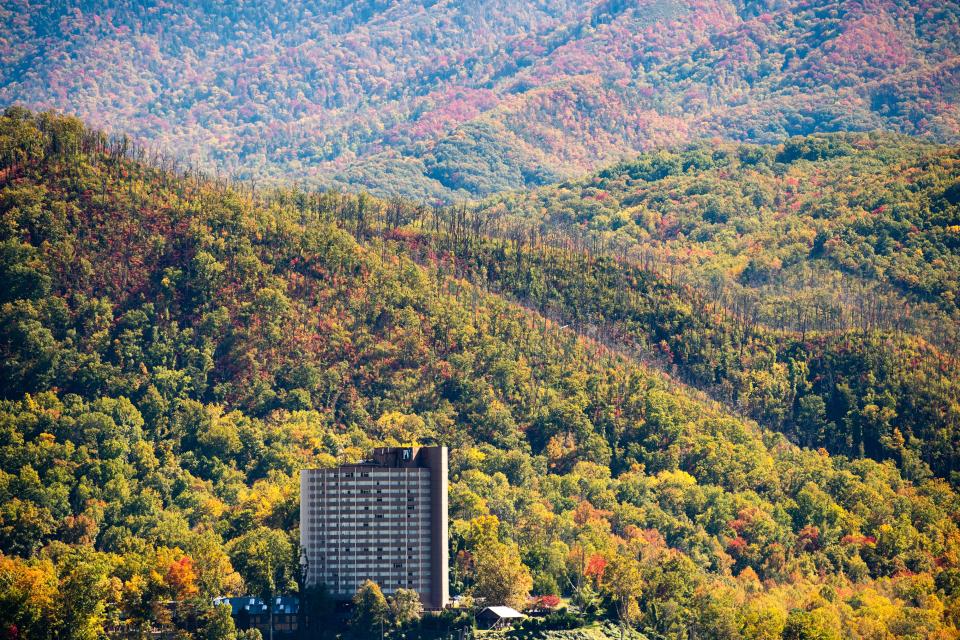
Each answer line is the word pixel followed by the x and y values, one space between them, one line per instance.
pixel 811 285
pixel 677 281
pixel 865 228
pixel 446 100
pixel 175 349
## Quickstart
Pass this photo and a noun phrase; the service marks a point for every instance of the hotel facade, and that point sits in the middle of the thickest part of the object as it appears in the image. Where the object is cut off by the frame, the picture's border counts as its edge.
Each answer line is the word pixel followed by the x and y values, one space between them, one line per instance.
pixel 383 520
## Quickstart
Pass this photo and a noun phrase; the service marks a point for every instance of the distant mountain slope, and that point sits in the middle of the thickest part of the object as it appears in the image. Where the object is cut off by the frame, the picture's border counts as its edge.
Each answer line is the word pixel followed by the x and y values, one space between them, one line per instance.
pixel 821 278
pixel 825 232
pixel 454 99
pixel 174 351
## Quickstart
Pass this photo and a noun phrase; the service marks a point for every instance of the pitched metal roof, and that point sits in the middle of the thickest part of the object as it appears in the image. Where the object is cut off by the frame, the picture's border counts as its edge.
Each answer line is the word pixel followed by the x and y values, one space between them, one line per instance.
pixel 505 612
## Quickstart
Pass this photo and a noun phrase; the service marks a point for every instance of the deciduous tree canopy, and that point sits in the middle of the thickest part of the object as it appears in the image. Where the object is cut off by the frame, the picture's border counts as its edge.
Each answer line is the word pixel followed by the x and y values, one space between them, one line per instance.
pixel 176 349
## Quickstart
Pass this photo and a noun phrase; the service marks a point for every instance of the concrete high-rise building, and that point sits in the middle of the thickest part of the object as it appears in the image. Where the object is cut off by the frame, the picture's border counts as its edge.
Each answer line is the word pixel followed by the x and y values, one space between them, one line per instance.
pixel 383 520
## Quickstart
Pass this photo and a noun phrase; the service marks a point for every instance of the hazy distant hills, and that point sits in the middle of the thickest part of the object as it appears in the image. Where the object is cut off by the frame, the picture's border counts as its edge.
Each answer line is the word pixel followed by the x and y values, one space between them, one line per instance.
pixel 452 99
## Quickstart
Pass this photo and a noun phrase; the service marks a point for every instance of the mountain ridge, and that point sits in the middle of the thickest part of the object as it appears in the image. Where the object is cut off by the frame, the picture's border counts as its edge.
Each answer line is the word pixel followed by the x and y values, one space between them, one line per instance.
pixel 347 97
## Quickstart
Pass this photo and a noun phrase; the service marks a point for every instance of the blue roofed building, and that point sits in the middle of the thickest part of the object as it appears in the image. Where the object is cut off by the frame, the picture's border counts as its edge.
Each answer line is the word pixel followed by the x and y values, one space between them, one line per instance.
pixel 251 612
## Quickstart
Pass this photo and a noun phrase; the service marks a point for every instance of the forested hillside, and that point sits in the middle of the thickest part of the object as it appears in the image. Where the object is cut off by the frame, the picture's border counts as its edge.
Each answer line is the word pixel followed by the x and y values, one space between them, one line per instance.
pixel 878 392
pixel 175 350
pixel 447 99
pixel 813 284
pixel 818 233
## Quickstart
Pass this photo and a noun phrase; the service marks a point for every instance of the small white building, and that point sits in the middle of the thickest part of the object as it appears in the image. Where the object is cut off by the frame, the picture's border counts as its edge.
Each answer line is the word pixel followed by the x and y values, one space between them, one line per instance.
pixel 498 617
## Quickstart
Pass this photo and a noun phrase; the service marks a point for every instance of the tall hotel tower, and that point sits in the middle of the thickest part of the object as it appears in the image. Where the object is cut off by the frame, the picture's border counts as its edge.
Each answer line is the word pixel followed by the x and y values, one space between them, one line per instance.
pixel 383 520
